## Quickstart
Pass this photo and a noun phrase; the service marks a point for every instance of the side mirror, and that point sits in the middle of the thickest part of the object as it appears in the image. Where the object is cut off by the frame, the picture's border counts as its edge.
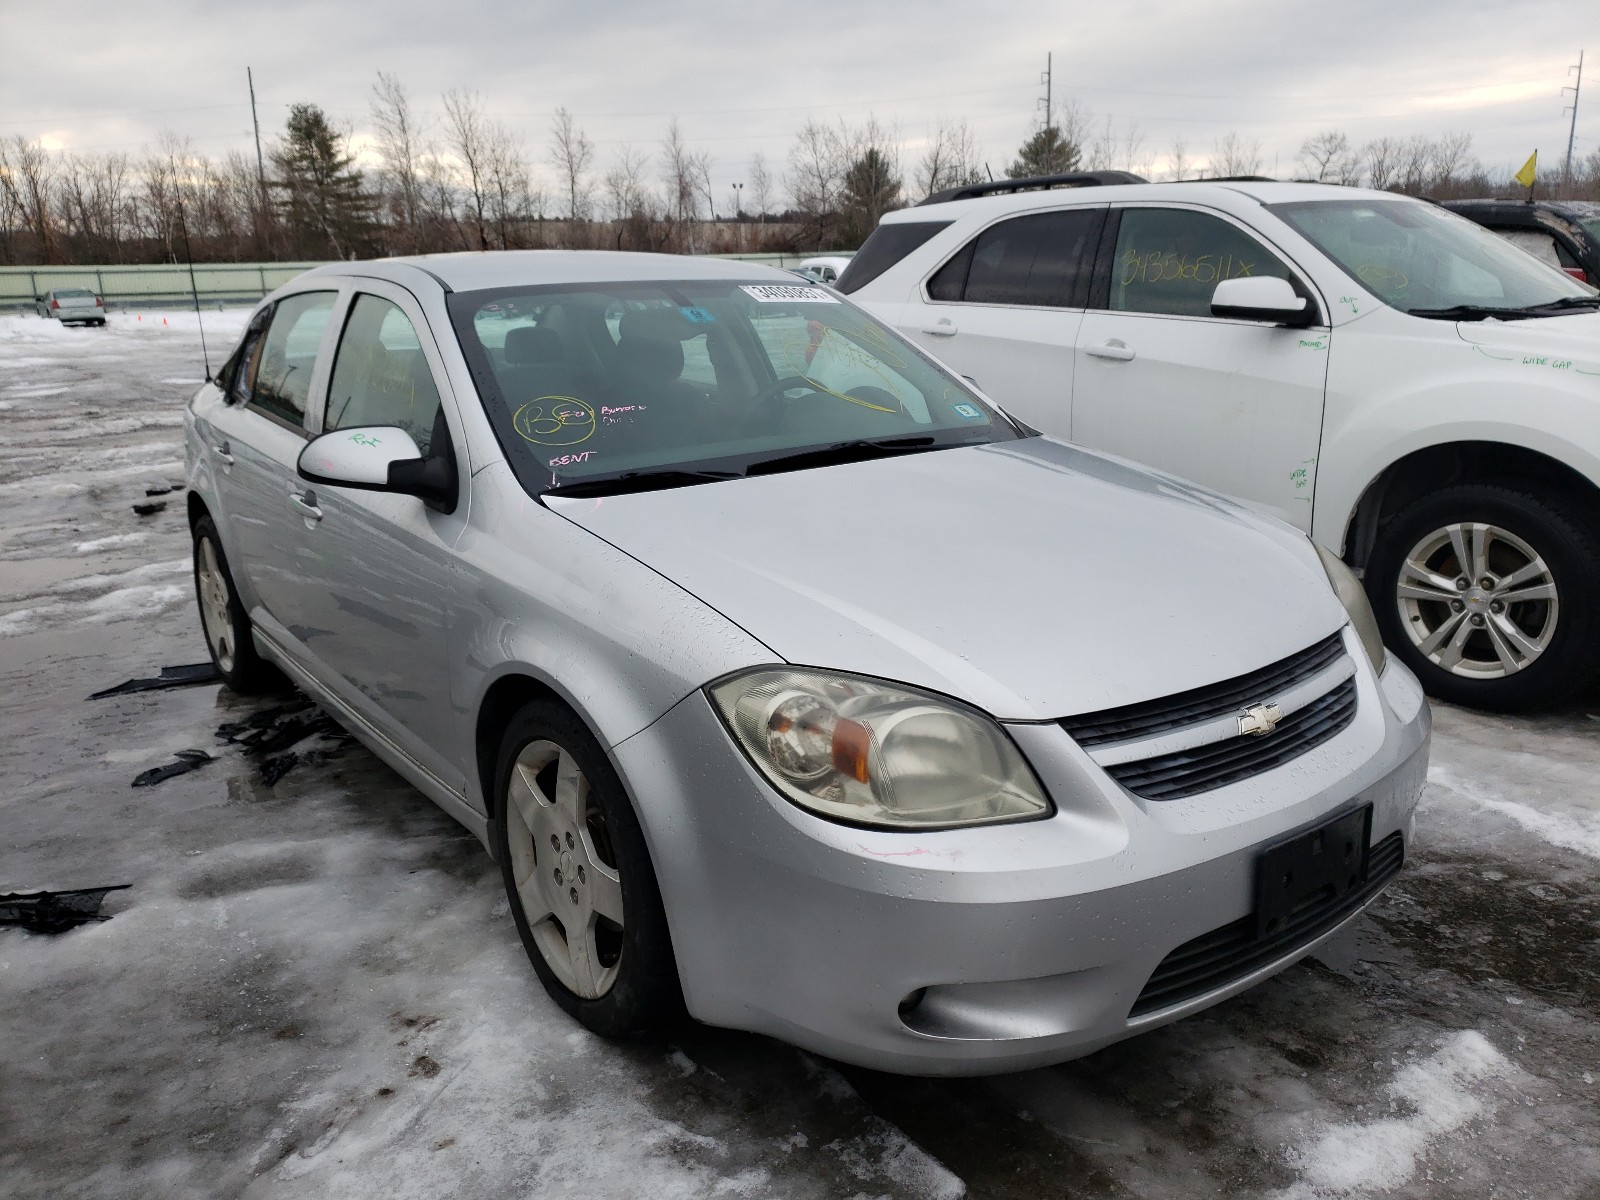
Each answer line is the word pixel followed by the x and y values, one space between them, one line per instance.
pixel 380 458
pixel 1262 298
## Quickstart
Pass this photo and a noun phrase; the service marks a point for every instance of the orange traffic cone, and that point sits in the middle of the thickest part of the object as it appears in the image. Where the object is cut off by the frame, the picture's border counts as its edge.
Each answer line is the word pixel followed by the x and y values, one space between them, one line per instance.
pixel 163 320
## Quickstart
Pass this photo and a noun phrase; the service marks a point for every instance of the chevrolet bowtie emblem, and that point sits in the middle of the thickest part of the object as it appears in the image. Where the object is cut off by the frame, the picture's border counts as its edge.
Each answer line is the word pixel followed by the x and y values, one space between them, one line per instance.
pixel 1259 720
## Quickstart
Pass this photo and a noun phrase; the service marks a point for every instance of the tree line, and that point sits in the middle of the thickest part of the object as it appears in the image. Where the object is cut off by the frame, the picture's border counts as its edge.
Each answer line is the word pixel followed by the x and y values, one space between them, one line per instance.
pixel 466 181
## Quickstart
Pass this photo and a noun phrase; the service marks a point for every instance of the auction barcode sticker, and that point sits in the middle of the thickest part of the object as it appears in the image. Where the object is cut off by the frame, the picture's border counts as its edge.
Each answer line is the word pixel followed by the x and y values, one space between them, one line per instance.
pixel 780 293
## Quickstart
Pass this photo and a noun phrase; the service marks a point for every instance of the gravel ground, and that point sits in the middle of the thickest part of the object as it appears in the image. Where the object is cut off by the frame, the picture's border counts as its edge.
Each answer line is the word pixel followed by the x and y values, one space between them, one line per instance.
pixel 314 988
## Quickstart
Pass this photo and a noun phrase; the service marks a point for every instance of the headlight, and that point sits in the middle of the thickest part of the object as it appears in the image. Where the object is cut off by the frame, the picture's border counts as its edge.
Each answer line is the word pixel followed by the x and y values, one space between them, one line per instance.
pixel 1354 598
pixel 871 753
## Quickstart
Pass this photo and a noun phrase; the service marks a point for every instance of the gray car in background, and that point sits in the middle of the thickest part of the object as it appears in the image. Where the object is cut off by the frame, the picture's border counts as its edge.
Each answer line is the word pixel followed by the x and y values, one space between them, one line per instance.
pixel 71 305
pixel 790 682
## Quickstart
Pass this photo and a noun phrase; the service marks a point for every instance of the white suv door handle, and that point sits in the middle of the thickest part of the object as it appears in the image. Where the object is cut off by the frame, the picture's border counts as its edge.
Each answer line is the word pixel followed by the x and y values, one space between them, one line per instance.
pixel 944 327
pixel 1115 349
pixel 305 503
pixel 224 454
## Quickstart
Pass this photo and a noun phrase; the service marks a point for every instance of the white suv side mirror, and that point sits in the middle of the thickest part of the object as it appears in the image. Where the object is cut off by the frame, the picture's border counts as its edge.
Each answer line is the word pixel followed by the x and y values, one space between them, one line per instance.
pixel 1261 298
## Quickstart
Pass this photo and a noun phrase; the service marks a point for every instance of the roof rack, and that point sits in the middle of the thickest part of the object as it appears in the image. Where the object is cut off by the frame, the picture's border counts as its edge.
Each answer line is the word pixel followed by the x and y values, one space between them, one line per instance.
pixel 1037 183
pixel 1238 179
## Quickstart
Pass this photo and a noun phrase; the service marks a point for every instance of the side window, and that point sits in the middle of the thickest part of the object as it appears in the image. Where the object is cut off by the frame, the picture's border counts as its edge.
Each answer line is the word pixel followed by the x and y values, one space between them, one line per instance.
pixel 240 370
pixel 1043 260
pixel 380 375
pixel 288 353
pixel 1170 260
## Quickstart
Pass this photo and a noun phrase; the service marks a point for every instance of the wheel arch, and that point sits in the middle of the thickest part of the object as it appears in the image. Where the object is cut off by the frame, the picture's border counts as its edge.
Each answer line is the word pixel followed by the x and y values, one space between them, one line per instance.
pixel 1425 470
pixel 197 508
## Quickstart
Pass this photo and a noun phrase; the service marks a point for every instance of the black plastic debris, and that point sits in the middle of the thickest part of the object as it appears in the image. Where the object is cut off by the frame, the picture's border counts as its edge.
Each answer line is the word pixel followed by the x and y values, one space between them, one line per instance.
pixel 163 491
pixel 170 677
pixel 150 510
pixel 272 731
pixel 55 912
pixel 187 760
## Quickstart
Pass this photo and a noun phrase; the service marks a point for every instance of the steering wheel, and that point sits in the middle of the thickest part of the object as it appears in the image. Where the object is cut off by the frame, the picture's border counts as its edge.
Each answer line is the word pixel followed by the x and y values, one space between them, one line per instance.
pixel 771 394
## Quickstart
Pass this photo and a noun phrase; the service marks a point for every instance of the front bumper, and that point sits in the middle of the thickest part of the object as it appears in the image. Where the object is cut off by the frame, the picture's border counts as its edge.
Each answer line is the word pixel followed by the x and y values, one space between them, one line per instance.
pixel 1028 944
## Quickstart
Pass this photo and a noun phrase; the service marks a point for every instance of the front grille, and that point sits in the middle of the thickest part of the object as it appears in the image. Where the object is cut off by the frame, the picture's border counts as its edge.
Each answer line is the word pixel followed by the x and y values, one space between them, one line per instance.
pixel 1190 772
pixel 1152 717
pixel 1214 960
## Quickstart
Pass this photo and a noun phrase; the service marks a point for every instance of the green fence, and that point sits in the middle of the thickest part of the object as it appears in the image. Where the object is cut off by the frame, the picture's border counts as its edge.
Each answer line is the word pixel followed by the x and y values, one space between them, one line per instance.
pixel 166 285
pixel 162 285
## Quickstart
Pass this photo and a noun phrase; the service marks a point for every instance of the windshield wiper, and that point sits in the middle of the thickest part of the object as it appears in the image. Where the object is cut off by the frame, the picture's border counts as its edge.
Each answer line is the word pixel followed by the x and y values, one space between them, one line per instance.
pixel 1566 303
pixel 637 481
pixel 859 450
pixel 1470 312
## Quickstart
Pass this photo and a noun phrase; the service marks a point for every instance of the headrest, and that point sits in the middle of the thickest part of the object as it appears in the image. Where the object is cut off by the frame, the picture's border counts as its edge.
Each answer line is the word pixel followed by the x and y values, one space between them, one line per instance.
pixel 530 344
pixel 663 324
pixel 655 359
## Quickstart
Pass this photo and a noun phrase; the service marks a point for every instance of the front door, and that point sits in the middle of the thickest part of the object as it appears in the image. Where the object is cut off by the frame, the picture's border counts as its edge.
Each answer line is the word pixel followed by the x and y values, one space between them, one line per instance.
pixel 375 582
pixel 1235 405
pixel 1005 310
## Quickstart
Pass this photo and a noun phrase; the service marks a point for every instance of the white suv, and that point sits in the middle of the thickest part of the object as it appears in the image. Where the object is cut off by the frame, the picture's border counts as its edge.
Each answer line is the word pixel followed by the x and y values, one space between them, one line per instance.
pixel 1419 396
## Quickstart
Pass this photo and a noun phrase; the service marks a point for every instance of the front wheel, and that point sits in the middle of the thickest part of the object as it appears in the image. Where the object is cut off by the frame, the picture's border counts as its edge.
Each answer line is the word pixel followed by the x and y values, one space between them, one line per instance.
pixel 1490 595
pixel 578 875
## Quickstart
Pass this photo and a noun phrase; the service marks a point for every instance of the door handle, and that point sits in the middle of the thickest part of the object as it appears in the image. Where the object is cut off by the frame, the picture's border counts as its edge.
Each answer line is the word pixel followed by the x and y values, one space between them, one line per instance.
pixel 305 503
pixel 944 327
pixel 224 454
pixel 1115 349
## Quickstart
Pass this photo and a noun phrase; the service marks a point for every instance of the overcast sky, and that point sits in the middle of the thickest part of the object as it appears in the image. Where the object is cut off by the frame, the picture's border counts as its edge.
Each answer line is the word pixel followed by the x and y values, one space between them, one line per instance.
pixel 742 75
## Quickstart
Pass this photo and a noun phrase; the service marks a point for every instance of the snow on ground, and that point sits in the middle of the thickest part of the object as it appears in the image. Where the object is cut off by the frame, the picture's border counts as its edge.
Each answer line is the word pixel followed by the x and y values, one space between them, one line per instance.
pixel 314 989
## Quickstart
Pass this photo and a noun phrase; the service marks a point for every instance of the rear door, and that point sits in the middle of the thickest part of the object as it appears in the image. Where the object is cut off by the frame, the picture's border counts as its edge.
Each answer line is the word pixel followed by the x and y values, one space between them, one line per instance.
pixel 254 444
pixel 1004 310
pixel 1235 405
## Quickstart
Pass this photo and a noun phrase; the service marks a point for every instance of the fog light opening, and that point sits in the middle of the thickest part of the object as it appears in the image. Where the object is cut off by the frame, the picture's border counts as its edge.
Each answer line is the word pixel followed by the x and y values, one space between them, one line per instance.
pixel 912 1002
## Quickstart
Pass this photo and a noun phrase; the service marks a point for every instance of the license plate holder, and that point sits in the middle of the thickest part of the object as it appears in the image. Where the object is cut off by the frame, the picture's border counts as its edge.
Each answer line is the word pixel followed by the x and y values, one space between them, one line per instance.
pixel 1313 871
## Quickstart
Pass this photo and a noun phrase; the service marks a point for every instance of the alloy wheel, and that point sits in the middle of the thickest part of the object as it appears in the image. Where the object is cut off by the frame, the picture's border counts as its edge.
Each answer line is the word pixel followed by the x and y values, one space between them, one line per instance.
pixel 1477 600
pixel 215 612
pixel 564 868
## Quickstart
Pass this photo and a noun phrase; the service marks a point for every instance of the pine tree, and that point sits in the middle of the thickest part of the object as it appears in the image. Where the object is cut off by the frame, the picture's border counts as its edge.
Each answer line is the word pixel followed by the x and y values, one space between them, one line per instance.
pixel 321 194
pixel 871 188
pixel 1048 152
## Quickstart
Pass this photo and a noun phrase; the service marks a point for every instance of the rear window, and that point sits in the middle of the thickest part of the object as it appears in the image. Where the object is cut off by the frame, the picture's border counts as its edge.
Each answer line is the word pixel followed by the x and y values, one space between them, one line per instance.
pixel 73 294
pixel 887 246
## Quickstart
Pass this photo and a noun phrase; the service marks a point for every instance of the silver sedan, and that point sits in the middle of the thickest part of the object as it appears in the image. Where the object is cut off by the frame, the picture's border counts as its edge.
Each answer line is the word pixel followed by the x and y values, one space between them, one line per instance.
pixel 790 682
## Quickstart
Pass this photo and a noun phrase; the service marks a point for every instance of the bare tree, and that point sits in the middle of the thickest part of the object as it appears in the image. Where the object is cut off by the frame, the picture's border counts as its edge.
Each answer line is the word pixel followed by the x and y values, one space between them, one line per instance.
pixel 760 184
pixel 949 160
pixel 817 163
pixel 469 140
pixel 27 172
pixel 571 152
pixel 1178 159
pixel 399 138
pixel 1381 157
pixel 1232 155
pixel 1327 156
pixel 1449 157
pixel 1102 151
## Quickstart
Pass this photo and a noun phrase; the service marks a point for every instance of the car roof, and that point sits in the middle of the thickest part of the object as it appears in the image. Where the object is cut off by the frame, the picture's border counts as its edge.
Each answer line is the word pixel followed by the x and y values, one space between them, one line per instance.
pixel 1193 191
pixel 470 271
pixel 1584 208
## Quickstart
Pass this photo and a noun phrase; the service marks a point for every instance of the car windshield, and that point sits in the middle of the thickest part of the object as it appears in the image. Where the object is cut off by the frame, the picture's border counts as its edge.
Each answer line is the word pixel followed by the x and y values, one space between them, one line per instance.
pixel 634 385
pixel 1424 260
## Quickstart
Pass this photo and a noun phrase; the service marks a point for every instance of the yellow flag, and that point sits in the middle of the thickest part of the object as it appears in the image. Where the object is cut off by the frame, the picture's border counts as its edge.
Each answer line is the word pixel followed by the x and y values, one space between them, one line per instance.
pixel 1529 172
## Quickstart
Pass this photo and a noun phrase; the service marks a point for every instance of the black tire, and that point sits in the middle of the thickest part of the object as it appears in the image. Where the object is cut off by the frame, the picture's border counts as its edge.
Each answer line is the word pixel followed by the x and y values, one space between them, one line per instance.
pixel 241 668
pixel 1560 533
pixel 644 993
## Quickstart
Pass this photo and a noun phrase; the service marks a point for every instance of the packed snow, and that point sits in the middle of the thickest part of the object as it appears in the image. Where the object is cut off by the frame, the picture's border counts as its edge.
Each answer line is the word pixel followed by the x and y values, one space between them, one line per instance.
pixel 314 988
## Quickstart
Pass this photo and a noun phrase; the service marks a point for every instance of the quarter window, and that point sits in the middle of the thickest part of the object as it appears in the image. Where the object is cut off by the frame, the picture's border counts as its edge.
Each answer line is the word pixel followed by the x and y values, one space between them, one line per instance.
pixel 380 375
pixel 1170 260
pixel 1041 260
pixel 288 353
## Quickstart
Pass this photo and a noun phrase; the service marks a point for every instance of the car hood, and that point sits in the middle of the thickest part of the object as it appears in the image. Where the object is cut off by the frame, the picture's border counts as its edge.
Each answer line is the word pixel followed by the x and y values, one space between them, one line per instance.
pixel 1030 578
pixel 1574 339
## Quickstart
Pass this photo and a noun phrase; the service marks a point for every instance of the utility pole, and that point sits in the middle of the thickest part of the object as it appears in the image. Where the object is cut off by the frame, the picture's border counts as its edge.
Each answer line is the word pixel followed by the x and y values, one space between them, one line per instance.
pixel 261 170
pixel 1048 79
pixel 1566 171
